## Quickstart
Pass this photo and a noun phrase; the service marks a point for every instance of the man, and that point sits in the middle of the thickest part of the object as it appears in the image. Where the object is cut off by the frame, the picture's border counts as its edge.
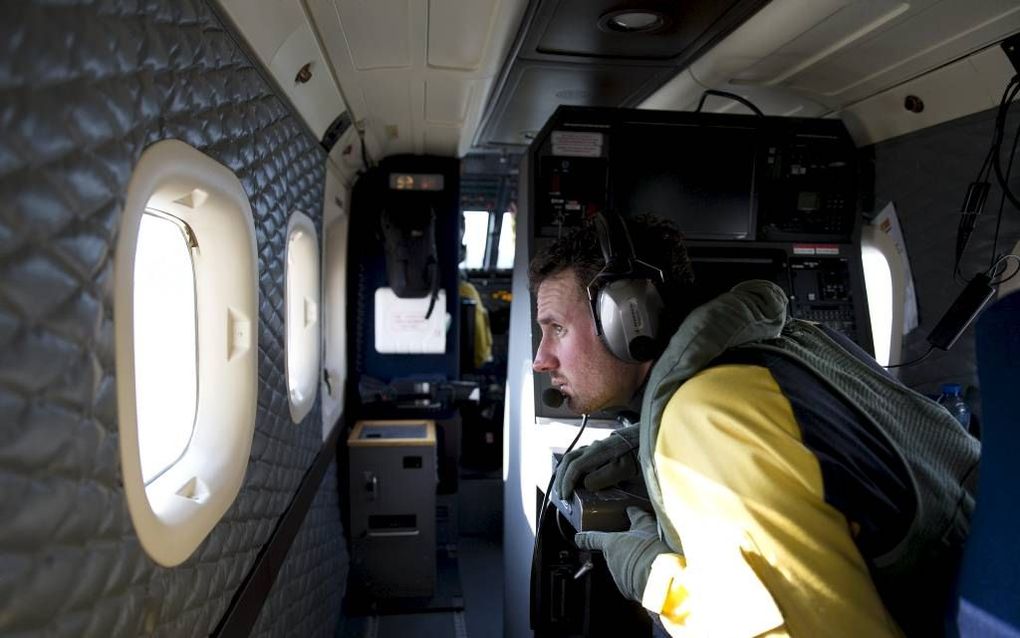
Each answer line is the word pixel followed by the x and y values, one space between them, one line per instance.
pixel 798 489
pixel 482 346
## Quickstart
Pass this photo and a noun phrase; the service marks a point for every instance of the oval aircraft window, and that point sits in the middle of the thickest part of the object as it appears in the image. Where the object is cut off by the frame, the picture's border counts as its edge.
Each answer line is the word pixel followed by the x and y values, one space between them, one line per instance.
pixel 303 337
pixel 185 309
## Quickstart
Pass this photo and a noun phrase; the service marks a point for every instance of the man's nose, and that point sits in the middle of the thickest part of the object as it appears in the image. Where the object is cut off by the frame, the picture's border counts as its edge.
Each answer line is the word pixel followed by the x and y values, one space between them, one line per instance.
pixel 544 360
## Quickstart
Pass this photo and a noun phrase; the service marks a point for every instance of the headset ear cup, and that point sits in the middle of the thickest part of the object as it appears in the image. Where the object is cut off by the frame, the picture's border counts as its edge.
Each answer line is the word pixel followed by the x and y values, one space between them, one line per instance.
pixel 629 313
pixel 626 306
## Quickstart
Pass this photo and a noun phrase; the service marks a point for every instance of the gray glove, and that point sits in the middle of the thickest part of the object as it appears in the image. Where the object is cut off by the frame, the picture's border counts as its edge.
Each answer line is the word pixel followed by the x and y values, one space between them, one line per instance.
pixel 629 555
pixel 601 464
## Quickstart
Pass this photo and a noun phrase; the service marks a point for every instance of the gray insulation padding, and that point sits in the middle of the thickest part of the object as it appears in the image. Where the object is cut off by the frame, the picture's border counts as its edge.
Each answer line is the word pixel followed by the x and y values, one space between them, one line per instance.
pixel 926 175
pixel 311 570
pixel 85 87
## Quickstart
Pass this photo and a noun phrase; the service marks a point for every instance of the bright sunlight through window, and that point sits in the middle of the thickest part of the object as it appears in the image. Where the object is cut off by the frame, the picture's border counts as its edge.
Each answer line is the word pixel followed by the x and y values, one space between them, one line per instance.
pixel 476 231
pixel 505 256
pixel 878 280
pixel 165 352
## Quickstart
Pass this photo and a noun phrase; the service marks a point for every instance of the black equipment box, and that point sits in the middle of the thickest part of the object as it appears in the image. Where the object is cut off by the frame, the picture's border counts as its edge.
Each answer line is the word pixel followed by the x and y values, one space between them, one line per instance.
pixel 774 198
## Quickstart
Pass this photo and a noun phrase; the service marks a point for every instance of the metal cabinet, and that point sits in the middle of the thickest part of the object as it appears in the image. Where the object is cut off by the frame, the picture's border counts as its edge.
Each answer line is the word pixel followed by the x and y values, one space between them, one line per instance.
pixel 393 507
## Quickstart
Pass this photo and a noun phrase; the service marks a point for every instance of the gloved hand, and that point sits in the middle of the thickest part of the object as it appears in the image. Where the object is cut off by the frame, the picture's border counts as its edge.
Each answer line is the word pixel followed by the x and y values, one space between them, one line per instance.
pixel 601 464
pixel 630 554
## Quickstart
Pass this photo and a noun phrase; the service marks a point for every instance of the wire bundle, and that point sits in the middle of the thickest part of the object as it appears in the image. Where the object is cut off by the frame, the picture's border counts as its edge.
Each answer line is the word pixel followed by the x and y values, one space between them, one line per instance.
pixel 977 193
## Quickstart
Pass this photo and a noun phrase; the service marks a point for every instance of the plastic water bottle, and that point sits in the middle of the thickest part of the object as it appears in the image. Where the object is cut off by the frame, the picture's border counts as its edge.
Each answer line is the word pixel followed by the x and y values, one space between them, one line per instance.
pixel 951 399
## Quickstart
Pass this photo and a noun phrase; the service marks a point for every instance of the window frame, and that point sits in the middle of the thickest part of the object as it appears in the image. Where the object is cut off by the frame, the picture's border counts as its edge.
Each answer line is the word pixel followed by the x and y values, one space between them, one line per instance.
pixel 310 347
pixel 174 512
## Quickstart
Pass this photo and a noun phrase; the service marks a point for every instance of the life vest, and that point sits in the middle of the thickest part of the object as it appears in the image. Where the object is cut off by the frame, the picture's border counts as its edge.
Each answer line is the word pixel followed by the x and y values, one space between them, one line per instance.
pixel 940 456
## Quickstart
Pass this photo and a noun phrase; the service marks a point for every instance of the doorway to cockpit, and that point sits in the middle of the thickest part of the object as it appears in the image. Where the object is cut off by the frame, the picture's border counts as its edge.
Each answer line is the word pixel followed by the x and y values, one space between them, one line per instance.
pixel 427 395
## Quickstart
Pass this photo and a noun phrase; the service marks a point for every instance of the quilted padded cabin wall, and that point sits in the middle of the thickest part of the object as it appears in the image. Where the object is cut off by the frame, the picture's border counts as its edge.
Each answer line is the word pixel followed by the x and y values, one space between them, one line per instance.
pixel 85 87
pixel 925 174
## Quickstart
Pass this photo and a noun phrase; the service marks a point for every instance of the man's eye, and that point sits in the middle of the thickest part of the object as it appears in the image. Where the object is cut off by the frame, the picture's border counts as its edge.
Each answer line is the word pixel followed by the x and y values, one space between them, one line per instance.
pixel 558 330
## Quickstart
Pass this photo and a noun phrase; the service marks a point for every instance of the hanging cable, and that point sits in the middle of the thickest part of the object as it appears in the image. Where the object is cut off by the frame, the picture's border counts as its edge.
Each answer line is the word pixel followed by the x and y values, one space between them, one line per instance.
pixel 973 205
pixel 978 190
pixel 913 361
pixel 1002 260
pixel 732 96
pixel 537 548
pixel 1002 200
pixel 1000 130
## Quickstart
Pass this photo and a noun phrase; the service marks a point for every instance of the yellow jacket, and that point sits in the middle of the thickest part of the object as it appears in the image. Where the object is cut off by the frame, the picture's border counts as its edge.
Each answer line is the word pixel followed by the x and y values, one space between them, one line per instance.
pixel 483 333
pixel 765 553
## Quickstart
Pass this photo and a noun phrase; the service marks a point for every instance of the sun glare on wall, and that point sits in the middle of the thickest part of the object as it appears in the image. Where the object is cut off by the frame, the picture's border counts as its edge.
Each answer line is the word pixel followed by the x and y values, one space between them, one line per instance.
pixel 878 280
pixel 185 319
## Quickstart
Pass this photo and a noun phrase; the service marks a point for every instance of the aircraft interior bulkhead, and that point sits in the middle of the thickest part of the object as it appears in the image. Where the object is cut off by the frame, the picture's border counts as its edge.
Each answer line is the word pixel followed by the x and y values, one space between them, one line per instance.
pixel 478 318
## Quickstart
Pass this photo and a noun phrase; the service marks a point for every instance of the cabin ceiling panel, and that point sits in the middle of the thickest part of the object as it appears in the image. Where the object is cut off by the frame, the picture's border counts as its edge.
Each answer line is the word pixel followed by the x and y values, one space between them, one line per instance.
pixel 447 99
pixel 847 24
pixel 774 26
pixel 538 88
pixel 266 24
pixel 907 45
pixel 281 36
pixel 326 23
pixel 445 53
pixel 966 86
pixel 840 53
pixel 389 102
pixel 442 140
pixel 569 52
pixel 378 32
pixel 450 45
pixel 574 29
pixel 317 98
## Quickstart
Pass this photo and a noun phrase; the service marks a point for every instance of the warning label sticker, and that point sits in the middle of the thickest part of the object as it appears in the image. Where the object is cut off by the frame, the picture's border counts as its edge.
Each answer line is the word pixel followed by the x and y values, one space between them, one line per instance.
pixel 816 249
pixel 577 144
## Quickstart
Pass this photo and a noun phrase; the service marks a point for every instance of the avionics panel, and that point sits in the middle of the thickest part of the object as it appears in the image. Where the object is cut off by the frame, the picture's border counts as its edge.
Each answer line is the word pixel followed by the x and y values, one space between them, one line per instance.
pixel 808 185
pixel 757 198
pixel 719 177
pixel 702 177
pixel 825 286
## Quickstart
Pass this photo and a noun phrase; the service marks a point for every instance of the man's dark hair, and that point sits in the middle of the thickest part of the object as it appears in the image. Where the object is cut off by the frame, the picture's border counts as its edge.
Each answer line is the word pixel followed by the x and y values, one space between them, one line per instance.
pixel 656 241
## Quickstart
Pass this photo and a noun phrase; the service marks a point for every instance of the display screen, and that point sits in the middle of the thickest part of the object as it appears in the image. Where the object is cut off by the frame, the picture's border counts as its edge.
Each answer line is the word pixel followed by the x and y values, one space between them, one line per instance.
pixel 808 201
pixel 416 182
pixel 717 269
pixel 701 177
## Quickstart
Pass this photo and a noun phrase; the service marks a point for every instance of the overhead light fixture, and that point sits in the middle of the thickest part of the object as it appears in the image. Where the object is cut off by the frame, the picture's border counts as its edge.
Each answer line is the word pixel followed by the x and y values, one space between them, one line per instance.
pixel 632 21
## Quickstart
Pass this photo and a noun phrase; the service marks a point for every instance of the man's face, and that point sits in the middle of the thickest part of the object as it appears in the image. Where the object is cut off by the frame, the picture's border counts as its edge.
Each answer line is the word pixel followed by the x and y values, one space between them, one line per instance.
pixel 579 364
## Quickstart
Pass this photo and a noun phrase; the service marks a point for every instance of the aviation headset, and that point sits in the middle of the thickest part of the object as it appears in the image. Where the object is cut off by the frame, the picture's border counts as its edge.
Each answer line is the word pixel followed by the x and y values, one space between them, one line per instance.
pixel 624 297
